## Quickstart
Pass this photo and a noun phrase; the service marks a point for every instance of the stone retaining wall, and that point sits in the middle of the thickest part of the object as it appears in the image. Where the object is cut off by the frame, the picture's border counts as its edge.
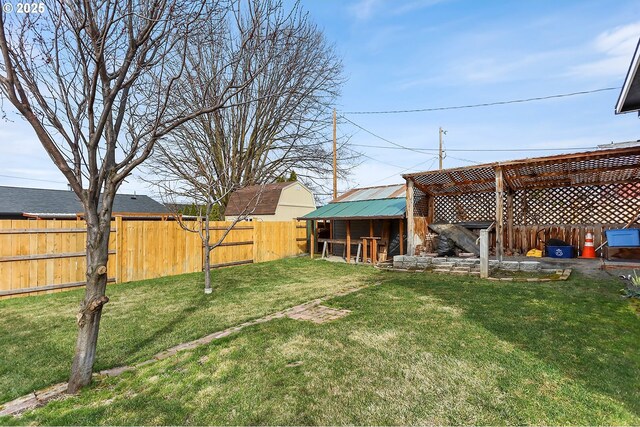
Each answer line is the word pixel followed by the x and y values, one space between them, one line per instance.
pixel 408 262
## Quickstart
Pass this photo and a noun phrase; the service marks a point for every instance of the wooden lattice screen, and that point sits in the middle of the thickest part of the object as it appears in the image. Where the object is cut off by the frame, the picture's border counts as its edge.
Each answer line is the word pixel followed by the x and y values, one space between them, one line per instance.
pixel 420 203
pixel 465 207
pixel 607 204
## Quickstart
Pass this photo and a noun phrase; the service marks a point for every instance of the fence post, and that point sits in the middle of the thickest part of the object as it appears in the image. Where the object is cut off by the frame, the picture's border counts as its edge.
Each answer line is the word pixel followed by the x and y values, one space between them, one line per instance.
pixel 119 233
pixel 484 254
pixel 256 246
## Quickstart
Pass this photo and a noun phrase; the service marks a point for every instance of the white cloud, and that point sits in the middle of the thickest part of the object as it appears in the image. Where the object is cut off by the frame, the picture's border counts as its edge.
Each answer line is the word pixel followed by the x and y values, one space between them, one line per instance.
pixel 406 7
pixel 614 49
pixel 364 9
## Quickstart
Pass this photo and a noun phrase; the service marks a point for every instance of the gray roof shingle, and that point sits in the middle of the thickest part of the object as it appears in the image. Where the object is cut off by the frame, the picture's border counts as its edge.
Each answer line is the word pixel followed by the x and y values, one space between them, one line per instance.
pixel 19 200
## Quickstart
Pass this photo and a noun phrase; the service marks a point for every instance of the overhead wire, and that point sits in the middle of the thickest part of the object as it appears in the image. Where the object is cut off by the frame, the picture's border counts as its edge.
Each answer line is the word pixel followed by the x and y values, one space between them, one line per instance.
pixel 380 137
pixel 395 145
pixel 435 150
pixel 433 160
pixel 485 104
pixel 32 179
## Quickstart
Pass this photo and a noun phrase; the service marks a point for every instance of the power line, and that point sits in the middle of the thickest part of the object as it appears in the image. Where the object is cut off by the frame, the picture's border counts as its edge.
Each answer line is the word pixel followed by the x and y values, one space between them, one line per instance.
pixel 32 179
pixel 433 160
pixel 485 104
pixel 381 138
pixel 431 150
pixel 465 160
pixel 435 150
pixel 380 161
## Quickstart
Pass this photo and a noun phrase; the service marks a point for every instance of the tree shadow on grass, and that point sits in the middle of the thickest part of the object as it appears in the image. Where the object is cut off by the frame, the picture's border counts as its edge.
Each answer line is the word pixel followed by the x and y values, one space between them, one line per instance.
pixel 581 327
pixel 138 342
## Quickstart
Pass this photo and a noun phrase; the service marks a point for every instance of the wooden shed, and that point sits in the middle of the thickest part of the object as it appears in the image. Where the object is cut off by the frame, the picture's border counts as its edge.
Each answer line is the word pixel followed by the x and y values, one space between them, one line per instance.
pixel 530 200
pixel 279 201
pixel 372 219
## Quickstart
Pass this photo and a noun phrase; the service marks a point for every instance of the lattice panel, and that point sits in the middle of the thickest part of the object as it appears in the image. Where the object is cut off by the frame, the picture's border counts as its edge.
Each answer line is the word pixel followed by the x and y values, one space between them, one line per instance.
pixel 465 207
pixel 420 203
pixel 607 204
pixel 461 180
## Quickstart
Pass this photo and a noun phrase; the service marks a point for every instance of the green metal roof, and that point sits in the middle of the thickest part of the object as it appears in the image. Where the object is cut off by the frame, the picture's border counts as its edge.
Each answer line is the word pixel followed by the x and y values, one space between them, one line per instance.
pixel 361 209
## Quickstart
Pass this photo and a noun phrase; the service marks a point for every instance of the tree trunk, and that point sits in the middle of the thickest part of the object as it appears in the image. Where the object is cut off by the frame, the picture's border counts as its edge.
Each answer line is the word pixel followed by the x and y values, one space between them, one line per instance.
pixel 88 317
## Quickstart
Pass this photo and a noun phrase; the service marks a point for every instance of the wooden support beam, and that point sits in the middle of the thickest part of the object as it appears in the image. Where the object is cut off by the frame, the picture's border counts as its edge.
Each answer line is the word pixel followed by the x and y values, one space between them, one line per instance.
pixel 510 194
pixel 364 250
pixel 231 264
pixel 247 242
pixel 312 236
pixel 420 187
pixel 235 227
pixel 499 214
pixel 348 241
pixel 48 287
pixel 401 231
pixel 431 209
pixel 46 256
pixel 411 247
pixel 45 230
pixel 374 251
pixel 331 236
pixel 370 228
pixel 484 254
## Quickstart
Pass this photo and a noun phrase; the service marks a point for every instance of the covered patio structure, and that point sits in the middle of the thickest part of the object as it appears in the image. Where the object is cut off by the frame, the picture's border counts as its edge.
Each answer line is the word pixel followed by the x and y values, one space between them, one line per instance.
pixel 530 200
pixel 370 220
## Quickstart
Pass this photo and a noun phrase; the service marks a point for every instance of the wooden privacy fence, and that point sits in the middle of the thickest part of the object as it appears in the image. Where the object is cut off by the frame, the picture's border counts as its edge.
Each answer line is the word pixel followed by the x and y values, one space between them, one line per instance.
pixel 49 255
pixel 526 237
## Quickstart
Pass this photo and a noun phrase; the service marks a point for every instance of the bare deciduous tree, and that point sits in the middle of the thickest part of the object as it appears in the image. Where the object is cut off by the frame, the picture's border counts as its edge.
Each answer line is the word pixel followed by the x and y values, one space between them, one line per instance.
pixel 95 80
pixel 196 185
pixel 279 122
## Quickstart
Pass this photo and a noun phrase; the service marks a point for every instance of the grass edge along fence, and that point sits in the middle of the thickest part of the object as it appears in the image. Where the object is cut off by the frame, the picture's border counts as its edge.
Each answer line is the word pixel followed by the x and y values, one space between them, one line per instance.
pixel 45 256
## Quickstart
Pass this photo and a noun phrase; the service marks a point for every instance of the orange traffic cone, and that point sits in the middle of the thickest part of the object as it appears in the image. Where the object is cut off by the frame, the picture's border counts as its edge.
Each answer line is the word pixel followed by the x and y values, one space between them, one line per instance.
pixel 589 251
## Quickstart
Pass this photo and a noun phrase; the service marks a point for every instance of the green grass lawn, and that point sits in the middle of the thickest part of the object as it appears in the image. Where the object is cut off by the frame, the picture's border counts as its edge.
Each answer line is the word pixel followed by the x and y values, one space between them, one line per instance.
pixel 418 349
pixel 37 334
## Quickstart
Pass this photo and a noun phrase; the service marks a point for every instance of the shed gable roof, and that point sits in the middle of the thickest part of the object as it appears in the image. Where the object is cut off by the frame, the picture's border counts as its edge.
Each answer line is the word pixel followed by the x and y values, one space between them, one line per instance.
pixel 387 201
pixel 256 199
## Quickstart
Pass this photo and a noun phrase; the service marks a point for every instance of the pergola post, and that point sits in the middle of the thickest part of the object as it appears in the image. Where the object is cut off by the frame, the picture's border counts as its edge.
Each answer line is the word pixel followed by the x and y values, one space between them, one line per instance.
pixel 499 214
pixel 401 231
pixel 411 247
pixel 484 254
pixel 510 219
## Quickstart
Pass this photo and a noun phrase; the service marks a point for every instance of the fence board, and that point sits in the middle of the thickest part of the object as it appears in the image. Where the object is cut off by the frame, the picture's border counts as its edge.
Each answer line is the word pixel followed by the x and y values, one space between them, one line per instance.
pixel 573 234
pixel 49 255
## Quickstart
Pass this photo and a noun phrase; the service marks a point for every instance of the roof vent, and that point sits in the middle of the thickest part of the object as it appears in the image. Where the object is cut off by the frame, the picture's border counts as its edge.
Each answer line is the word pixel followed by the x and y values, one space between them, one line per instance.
pixel 134 197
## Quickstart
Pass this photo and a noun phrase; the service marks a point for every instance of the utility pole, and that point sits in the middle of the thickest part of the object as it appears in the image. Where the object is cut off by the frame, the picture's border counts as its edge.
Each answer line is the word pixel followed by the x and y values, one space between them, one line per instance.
pixel 335 158
pixel 440 133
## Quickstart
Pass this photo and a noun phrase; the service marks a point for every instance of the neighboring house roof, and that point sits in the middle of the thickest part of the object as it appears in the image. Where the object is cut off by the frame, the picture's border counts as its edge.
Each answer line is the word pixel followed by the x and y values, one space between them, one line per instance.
pixel 18 200
pixel 372 193
pixel 256 199
pixel 629 99
pixel 365 203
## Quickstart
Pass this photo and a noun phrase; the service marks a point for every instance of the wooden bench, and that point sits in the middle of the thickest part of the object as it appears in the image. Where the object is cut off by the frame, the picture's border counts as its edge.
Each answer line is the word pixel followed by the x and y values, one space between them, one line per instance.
pixel 366 245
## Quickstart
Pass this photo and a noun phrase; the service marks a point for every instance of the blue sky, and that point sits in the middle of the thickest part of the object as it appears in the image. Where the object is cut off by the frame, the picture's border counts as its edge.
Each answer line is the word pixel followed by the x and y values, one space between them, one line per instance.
pixel 429 53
